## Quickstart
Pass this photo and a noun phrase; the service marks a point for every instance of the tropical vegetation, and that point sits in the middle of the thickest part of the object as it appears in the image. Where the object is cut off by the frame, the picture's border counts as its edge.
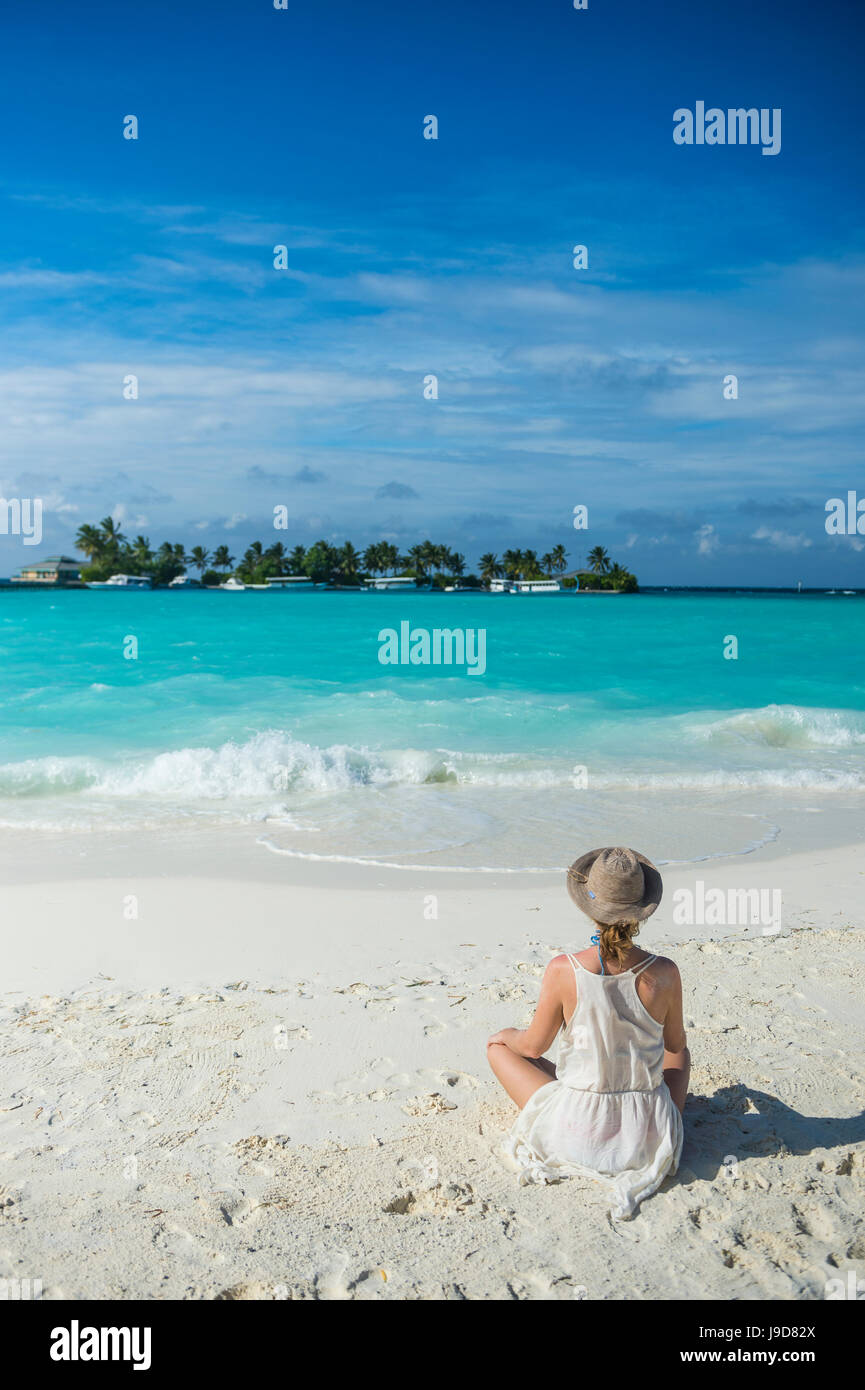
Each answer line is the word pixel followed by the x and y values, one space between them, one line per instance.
pixel 110 552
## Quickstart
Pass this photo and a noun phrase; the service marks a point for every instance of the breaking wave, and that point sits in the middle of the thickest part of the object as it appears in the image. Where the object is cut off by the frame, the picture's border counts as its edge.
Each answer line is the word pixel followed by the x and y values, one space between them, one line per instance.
pixel 779 747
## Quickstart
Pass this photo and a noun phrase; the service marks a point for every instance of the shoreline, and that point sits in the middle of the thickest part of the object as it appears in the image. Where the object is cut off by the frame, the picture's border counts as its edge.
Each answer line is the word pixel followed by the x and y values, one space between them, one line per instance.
pixel 158 919
pixel 246 851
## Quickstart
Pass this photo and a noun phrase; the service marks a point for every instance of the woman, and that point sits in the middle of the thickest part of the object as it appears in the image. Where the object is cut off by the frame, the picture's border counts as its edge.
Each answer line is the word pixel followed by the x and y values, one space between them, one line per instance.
pixel 611 1108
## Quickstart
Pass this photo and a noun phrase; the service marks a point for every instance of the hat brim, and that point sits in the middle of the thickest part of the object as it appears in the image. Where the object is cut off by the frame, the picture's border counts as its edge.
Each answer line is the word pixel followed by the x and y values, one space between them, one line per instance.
pixel 606 913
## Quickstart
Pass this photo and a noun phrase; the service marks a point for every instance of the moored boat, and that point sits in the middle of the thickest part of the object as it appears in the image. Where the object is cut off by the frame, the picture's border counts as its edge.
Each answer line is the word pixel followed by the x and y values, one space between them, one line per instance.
pixel 122 581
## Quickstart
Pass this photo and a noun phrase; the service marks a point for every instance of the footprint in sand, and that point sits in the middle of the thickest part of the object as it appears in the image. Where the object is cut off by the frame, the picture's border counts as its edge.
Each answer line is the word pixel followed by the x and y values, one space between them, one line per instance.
pixel 143 1118
pixel 420 1173
pixel 398 1079
pixel 453 1198
pixel 381 1006
pixel 331 1282
pixel 288 1033
pixel 459 1080
pixel 383 1070
pixel 255 1290
pixel 235 1210
pixel 815 1221
pixel 175 1240
pixel 257 1145
pixel 432 1104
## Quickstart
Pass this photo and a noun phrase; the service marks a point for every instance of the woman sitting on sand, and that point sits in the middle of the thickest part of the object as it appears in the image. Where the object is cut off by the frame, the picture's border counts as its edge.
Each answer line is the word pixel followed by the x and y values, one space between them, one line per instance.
pixel 611 1108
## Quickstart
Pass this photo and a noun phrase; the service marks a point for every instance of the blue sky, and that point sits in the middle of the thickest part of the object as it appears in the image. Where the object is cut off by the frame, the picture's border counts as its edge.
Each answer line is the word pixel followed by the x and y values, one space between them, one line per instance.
pixel 408 256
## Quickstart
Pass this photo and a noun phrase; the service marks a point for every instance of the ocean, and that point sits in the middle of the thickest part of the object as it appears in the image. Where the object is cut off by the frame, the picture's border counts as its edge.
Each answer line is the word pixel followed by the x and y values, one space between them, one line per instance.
pixel 597 719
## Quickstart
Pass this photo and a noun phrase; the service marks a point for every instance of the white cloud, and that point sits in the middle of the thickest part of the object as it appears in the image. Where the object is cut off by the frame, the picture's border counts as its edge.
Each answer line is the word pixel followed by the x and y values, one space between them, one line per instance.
pixel 782 540
pixel 707 540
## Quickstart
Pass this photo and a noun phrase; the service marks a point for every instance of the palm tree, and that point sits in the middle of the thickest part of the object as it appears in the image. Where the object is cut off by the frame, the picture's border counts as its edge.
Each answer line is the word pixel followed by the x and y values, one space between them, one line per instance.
pixel 490 567
pixel 199 557
pixel 417 560
pixel 296 559
pixel 112 534
pixel 559 557
pixel 623 579
pixel 443 558
pixel 221 558
pixel 599 560
pixel 547 563
pixel 348 561
pixel 531 568
pixel 141 552
pixel 458 563
pixel 512 562
pixel 428 553
pixel 168 562
pixel 373 559
pixel 90 541
pixel 389 556
pixel 320 561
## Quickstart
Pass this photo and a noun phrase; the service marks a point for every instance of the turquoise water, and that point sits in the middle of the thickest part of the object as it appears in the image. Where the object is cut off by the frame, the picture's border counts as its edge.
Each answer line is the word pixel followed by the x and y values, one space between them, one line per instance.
pixel 273 710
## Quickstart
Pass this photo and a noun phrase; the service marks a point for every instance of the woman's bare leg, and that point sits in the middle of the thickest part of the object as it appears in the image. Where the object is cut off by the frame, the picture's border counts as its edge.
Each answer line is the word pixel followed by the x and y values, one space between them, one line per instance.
pixel 520 1076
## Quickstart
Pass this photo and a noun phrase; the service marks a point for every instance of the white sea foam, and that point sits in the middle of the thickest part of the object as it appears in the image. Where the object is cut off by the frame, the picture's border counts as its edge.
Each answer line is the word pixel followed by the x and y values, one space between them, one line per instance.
pixel 779 749
pixel 787 726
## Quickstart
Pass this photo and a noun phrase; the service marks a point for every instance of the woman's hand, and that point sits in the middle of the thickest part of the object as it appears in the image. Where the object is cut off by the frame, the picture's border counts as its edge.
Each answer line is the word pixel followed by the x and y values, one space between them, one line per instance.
pixel 505 1035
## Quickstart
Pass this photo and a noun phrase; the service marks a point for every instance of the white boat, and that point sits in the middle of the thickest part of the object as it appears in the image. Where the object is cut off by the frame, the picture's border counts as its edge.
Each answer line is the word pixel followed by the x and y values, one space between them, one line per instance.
pixel 500 586
pixel 121 581
pixel 536 586
pixel 184 581
pixel 233 585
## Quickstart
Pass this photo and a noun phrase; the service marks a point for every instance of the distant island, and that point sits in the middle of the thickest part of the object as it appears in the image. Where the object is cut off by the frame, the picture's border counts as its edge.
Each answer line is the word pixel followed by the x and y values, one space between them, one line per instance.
pixel 109 552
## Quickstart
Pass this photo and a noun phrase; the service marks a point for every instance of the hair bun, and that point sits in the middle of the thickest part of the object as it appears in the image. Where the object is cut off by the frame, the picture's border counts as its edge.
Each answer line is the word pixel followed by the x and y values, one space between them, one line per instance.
pixel 617 939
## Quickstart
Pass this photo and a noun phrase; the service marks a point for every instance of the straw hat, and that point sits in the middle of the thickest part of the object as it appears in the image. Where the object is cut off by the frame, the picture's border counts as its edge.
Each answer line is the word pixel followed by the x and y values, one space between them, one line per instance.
pixel 615 885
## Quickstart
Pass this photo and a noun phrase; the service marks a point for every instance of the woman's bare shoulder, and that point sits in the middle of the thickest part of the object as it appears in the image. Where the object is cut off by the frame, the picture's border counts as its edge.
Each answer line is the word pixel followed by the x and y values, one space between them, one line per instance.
pixel 560 963
pixel 663 971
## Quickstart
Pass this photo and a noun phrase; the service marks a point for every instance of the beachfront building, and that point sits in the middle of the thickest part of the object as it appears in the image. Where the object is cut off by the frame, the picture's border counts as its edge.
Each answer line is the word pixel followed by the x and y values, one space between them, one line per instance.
pixel 525 586
pixel 381 581
pixel 536 586
pixel 57 572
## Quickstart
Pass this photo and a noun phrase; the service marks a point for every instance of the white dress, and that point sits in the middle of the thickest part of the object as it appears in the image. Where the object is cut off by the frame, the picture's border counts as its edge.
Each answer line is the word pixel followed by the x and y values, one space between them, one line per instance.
pixel 609 1114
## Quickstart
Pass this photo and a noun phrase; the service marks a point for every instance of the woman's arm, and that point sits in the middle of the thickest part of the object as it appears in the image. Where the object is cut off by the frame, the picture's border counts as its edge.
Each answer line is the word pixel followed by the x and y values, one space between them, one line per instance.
pixel 549 1015
pixel 677 1058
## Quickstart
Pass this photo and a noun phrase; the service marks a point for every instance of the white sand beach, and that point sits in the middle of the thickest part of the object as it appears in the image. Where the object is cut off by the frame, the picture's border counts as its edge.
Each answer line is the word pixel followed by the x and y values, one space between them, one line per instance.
pixel 272 1084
